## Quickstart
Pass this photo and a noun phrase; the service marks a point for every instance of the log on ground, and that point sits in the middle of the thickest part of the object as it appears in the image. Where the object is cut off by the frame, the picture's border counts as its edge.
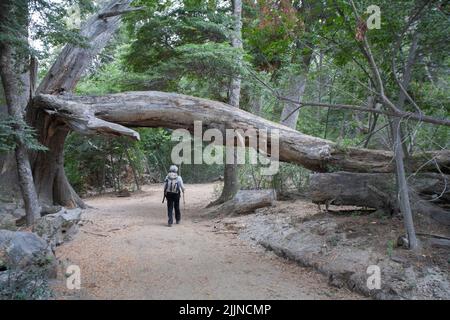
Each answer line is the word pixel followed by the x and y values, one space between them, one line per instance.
pixel 378 191
pixel 247 201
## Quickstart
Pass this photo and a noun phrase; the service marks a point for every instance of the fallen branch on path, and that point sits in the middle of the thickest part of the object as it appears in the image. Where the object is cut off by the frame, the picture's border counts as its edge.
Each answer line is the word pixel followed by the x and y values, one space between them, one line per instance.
pixel 95 234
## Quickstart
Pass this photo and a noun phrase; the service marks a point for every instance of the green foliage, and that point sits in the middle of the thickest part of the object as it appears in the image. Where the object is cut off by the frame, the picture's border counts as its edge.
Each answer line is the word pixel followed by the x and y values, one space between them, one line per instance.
pixel 157 147
pixel 101 162
pixel 291 178
pixel 48 26
pixel 390 247
pixel 157 39
pixel 13 130
pixel 184 46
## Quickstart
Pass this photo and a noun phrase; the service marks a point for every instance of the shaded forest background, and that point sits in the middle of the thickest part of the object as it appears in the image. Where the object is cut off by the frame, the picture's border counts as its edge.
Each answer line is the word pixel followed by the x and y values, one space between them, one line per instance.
pixel 184 47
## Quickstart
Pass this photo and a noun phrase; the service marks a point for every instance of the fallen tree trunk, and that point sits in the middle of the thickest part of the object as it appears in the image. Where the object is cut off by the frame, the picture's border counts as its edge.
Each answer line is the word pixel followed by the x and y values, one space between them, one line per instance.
pixel 345 188
pixel 113 114
pixel 247 201
pixel 378 191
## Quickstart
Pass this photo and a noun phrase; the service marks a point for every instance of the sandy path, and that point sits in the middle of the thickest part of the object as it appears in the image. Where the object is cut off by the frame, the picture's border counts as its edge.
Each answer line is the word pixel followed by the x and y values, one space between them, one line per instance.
pixel 126 251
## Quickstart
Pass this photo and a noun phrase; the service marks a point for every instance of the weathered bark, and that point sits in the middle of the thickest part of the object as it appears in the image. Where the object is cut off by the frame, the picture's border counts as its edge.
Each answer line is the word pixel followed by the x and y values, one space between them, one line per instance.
pixel 294 92
pixel 48 167
pixel 379 191
pixel 247 201
pixel 402 185
pixel 15 74
pixel 439 242
pixel 170 110
pixel 361 189
pixel 73 61
pixel 231 170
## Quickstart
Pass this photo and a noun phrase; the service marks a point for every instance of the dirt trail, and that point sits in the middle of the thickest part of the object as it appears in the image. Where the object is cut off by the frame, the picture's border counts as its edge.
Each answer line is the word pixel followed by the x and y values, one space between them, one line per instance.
pixel 126 251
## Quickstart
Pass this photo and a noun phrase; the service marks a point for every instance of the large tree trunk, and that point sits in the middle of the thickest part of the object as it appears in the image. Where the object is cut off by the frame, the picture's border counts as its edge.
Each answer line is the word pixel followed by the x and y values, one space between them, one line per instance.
pixel 48 167
pixel 231 170
pixel 15 74
pixel 378 191
pixel 375 190
pixel 110 114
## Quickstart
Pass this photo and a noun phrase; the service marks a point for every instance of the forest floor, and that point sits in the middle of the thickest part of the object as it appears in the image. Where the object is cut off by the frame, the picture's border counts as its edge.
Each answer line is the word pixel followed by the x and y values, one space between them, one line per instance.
pixel 126 251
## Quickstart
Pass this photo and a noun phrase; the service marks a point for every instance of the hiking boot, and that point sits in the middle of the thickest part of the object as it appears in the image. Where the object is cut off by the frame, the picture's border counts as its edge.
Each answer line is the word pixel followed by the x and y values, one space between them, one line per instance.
pixel 178 222
pixel 169 224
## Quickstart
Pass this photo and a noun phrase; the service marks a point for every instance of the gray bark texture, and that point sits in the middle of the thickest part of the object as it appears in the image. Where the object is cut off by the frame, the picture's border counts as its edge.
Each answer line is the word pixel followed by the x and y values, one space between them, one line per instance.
pixel 379 191
pixel 15 74
pixel 294 92
pixel 231 171
pixel 114 114
pixel 400 151
pixel 247 201
pixel 48 167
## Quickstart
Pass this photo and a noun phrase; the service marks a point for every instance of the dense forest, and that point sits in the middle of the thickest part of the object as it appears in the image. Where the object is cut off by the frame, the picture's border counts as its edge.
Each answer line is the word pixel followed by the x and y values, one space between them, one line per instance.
pixel 91 92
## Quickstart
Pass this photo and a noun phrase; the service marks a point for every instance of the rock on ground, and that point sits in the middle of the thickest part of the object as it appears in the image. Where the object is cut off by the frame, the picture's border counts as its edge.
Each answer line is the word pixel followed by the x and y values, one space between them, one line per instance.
pixel 20 250
pixel 59 227
pixel 7 222
pixel 9 213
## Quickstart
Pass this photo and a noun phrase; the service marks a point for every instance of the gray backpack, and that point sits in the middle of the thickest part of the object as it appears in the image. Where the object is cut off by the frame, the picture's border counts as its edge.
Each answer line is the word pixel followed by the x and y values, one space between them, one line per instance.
pixel 172 185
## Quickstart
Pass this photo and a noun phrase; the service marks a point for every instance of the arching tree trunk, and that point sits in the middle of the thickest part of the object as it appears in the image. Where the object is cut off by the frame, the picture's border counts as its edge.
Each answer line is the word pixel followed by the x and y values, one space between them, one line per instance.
pixel 110 114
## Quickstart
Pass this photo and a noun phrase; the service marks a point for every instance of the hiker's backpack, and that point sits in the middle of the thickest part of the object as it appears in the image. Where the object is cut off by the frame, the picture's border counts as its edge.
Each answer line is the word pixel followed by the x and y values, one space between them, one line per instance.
pixel 172 185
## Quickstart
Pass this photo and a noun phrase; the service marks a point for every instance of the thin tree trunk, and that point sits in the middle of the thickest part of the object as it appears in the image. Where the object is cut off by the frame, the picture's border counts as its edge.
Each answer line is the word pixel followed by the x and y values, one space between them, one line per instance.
pixel 294 92
pixel 256 103
pixel 113 173
pixel 133 169
pixel 231 171
pixel 15 74
pixel 399 151
pixel 118 170
pixel 103 178
pixel 330 100
pixel 398 147
pixel 405 204
pixel 373 125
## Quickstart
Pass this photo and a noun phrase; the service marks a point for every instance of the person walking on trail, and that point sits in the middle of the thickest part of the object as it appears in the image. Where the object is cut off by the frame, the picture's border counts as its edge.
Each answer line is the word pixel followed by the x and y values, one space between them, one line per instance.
pixel 173 185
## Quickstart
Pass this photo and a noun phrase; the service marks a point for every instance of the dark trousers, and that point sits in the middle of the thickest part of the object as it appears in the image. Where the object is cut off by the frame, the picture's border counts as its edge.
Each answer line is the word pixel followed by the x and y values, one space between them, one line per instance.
pixel 173 201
